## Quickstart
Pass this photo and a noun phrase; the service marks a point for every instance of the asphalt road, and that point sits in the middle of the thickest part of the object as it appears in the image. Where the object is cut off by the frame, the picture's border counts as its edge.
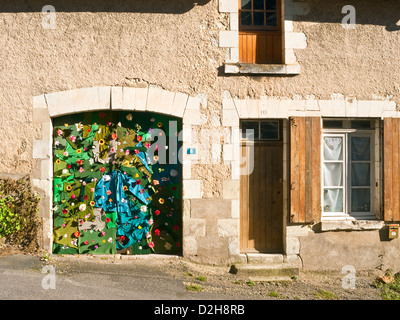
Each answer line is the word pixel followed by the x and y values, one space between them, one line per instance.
pixel 25 277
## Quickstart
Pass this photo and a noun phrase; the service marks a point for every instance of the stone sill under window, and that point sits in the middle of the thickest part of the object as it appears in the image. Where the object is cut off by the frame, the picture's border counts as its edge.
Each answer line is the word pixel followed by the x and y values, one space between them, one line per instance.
pixel 262 69
pixel 352 225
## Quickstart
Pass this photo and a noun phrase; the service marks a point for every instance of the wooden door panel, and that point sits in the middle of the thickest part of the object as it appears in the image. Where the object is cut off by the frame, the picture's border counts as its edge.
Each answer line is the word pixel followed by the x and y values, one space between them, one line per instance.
pixel 260 47
pixel 262 201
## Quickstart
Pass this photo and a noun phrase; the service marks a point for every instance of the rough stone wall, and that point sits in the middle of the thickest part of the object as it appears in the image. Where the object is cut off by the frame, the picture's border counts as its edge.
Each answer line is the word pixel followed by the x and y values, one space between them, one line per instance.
pixel 174 44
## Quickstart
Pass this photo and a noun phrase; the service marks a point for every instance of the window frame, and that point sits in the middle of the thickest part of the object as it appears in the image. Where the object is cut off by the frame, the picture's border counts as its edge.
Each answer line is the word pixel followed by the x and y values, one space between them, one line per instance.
pixel 279 122
pixel 375 170
pixel 265 28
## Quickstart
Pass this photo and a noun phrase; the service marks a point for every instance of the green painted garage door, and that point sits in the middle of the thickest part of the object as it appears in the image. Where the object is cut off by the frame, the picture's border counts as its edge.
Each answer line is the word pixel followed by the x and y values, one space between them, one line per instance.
pixel 117 183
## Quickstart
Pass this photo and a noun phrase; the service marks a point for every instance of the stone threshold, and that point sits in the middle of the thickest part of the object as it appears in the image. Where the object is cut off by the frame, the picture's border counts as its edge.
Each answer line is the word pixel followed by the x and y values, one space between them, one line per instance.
pixel 351 225
pixel 265 268
pixel 262 69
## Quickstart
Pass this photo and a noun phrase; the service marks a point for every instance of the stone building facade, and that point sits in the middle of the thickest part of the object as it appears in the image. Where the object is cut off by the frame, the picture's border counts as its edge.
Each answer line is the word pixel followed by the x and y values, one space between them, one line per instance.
pixel 182 58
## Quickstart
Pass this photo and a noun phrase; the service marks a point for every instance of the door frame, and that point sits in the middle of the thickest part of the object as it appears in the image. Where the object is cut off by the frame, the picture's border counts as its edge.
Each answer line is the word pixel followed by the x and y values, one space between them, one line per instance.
pixel 284 132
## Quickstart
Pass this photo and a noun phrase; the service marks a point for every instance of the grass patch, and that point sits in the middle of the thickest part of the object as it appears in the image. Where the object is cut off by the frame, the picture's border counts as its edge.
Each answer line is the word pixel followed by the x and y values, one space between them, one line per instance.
pixel 326 295
pixel 390 289
pixel 201 278
pixel 250 283
pixel 274 294
pixel 194 287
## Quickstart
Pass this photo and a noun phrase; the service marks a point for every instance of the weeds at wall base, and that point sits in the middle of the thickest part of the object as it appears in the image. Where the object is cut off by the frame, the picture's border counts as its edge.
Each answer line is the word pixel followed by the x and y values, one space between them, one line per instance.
pixel 21 224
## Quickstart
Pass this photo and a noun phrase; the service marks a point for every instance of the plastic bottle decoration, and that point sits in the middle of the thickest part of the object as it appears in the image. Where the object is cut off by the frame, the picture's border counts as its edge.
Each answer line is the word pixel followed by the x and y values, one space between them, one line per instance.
pixel 110 194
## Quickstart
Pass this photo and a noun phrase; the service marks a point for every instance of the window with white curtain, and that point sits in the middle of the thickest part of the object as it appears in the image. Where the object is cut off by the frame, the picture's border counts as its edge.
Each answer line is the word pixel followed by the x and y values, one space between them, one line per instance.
pixel 348 169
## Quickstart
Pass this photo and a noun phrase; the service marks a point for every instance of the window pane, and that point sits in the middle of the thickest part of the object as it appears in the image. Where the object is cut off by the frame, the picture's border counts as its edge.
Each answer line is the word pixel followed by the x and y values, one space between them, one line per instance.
pixel 333 124
pixel 360 148
pixel 258 4
pixel 258 18
pixel 360 200
pixel 361 124
pixel 333 148
pixel 246 4
pixel 245 18
pixel 333 174
pixel 269 130
pixel 270 4
pixel 333 200
pixel 360 174
pixel 250 125
pixel 271 20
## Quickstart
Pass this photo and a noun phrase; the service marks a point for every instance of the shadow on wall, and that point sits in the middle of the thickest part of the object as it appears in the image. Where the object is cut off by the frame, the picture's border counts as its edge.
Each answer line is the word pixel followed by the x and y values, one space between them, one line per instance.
pixel 142 6
pixel 382 12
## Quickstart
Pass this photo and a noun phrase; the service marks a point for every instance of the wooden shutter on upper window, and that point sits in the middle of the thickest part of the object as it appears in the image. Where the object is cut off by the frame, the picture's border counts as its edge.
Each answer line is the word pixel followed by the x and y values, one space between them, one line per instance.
pixel 260 31
pixel 391 168
pixel 305 169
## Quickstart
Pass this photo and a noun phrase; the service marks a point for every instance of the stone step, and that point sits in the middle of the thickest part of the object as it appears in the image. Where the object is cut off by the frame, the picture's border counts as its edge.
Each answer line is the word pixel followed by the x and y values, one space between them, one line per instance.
pixel 266 272
pixel 259 258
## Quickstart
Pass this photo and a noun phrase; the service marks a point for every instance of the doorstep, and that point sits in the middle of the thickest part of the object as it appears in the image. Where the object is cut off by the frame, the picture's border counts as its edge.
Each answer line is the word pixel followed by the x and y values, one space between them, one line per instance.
pixel 265 268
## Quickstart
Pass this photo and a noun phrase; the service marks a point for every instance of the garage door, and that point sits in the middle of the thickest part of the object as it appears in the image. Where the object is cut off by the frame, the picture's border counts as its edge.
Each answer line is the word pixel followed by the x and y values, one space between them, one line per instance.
pixel 117 184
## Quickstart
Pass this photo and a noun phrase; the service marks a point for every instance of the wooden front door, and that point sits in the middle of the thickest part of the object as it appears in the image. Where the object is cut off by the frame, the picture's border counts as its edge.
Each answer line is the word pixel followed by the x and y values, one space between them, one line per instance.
pixel 261 199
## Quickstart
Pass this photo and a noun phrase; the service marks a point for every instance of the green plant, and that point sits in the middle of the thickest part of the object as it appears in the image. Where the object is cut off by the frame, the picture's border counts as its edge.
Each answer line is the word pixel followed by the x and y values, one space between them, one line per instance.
pixel 201 278
pixel 20 204
pixel 250 283
pixel 326 295
pixel 274 294
pixel 46 256
pixel 390 290
pixel 9 221
pixel 194 287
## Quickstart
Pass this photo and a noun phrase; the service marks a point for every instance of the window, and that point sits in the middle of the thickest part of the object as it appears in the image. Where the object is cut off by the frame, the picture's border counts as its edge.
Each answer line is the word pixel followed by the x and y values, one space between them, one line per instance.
pixel 260 31
pixel 261 130
pixel 348 169
pixel 259 14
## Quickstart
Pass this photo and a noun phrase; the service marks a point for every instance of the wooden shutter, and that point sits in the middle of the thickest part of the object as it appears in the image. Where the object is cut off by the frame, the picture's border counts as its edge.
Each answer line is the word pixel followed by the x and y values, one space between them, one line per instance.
pixel 391 168
pixel 260 47
pixel 305 169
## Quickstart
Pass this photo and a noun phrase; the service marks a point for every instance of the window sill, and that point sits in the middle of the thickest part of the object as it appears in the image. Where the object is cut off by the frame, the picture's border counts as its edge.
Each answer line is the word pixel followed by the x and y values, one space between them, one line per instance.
pixel 263 69
pixel 352 225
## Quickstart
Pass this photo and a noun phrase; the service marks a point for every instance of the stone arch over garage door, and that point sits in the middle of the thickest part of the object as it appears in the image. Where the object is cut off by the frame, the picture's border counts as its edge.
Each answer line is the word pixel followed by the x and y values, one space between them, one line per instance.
pixel 96 99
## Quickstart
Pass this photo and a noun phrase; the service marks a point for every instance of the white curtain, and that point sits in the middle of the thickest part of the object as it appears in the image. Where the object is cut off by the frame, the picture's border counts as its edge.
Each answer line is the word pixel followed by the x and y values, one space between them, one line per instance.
pixel 360 148
pixel 333 200
pixel 360 174
pixel 333 174
pixel 333 148
pixel 360 200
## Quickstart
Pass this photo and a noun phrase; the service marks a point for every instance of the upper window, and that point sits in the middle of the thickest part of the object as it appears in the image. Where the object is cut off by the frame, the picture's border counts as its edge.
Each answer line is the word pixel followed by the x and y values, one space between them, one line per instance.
pixel 260 32
pixel 348 169
pixel 259 14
